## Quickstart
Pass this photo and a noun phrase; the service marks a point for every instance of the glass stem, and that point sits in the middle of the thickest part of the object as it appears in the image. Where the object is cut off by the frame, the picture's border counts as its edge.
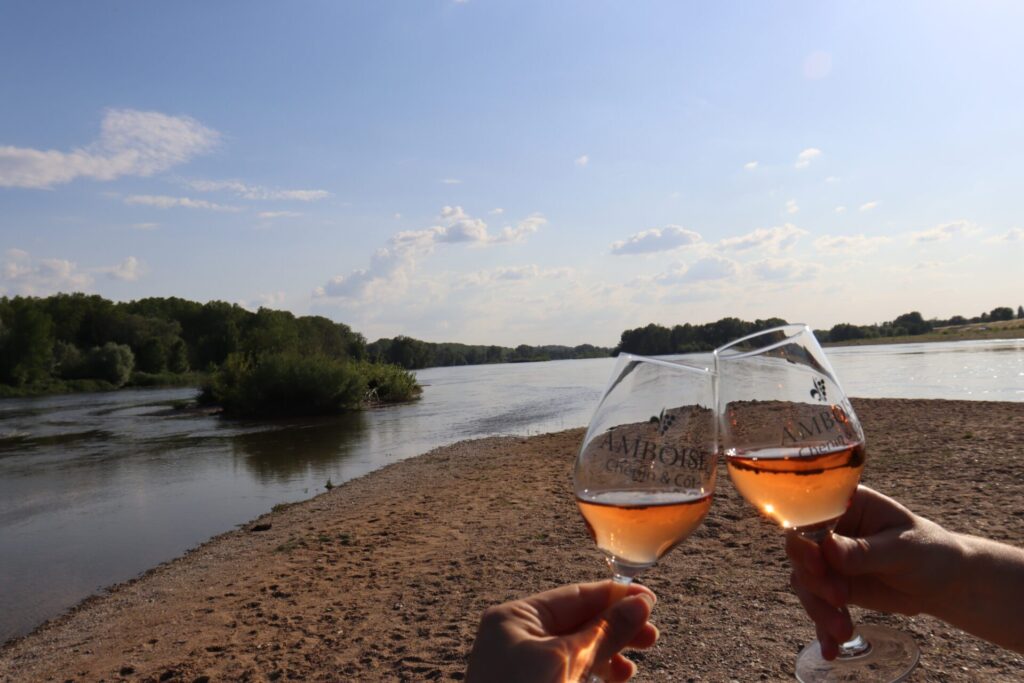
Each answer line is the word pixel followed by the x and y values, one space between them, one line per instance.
pixel 857 645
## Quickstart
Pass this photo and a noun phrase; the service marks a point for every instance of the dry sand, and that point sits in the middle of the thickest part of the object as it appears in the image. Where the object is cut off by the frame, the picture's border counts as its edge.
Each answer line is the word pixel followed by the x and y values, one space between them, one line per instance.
pixel 383 578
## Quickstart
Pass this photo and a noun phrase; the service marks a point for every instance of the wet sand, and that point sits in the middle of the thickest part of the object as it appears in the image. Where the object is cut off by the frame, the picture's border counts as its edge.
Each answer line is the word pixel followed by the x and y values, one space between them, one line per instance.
pixel 383 578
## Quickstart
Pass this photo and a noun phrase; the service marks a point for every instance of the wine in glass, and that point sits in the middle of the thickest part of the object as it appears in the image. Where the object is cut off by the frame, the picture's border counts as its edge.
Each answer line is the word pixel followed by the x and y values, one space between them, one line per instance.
pixel 645 473
pixel 795 450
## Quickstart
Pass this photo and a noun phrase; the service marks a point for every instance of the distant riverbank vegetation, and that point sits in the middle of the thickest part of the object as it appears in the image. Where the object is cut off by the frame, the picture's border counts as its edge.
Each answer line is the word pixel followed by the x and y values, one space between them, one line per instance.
pixel 658 340
pixel 272 362
pixel 262 363
pixel 250 363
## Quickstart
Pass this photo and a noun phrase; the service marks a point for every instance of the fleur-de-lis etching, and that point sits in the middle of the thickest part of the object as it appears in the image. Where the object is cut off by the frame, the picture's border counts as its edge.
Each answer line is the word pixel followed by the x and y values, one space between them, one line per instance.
pixel 663 421
pixel 818 391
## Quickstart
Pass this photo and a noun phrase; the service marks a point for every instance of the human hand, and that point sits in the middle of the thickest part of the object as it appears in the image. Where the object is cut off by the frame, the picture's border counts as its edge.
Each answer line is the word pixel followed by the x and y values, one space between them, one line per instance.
pixel 561 635
pixel 882 556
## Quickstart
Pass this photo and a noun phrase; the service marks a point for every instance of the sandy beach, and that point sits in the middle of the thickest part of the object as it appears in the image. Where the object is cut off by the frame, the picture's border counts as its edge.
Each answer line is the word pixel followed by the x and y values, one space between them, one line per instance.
pixel 383 578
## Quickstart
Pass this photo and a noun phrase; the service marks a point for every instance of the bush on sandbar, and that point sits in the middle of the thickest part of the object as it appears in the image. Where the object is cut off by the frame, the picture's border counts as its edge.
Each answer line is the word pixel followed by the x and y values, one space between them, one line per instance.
pixel 290 383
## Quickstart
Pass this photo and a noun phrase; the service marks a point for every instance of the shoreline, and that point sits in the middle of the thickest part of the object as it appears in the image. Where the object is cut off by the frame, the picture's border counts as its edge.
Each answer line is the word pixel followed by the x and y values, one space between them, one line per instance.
pixel 385 576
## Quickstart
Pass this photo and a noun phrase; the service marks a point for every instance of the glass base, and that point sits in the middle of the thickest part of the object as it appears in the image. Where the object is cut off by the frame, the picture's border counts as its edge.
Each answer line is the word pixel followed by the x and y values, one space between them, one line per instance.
pixel 890 656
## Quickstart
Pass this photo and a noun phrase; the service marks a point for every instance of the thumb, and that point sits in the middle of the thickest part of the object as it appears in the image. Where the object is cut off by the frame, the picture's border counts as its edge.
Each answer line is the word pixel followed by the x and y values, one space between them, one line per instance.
pixel 603 637
pixel 860 556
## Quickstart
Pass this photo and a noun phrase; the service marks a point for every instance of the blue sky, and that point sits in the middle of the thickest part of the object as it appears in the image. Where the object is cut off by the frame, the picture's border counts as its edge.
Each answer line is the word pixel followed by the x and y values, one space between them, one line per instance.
pixel 518 172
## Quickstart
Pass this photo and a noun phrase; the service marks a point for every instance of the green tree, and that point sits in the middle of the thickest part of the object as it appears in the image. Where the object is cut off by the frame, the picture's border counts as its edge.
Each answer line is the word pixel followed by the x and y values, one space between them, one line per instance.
pixel 1001 313
pixel 26 342
pixel 912 323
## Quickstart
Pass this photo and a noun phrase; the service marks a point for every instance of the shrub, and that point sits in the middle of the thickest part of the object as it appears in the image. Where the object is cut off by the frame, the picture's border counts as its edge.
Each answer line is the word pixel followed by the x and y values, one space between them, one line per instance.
pixel 285 383
pixel 388 383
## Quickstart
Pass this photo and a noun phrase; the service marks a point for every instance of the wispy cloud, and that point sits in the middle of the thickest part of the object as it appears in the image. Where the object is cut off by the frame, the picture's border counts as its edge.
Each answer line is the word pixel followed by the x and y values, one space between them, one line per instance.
pixel 582 160
pixel 711 267
pixel 256 192
pixel 840 209
pixel 450 181
pixel 128 270
pixel 131 143
pixel 945 231
pixel 778 238
pixel 785 270
pixel 510 274
pixel 392 267
pixel 867 206
pixel 656 240
pixel 849 244
pixel 496 211
pixel 1011 235
pixel 804 158
pixel 22 274
pixel 791 206
pixel 750 165
pixel 278 214
pixel 166 202
pixel 145 226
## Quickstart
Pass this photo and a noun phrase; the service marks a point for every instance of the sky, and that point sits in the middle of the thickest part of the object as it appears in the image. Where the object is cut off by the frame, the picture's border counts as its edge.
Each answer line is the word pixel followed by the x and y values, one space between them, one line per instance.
pixel 509 172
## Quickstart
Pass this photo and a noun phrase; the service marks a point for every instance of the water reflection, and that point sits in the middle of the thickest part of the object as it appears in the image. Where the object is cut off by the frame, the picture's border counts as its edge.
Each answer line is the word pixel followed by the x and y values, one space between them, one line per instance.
pixel 284 451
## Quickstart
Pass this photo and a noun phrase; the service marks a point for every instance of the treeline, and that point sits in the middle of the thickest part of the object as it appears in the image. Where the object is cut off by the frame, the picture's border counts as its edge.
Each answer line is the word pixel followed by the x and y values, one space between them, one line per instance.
pixel 263 363
pixel 413 354
pixel 75 336
pixel 658 340
pixel 910 324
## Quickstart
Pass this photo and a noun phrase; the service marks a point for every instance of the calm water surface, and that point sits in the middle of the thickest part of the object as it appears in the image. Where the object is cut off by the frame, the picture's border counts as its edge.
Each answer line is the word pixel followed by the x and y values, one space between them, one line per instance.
pixel 97 488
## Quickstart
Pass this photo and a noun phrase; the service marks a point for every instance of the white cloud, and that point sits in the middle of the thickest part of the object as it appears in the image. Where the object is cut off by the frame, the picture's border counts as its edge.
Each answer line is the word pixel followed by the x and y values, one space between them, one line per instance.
pixel 709 268
pixel 791 206
pixel 817 65
pixel 832 179
pixel 392 267
pixel 278 214
pixel 165 202
pixel 136 143
pixel 582 160
pixel 271 299
pixel 750 165
pixel 778 238
pixel 1011 235
pixel 128 270
pixel 840 209
pixel 497 211
pixel 804 159
pixel 945 231
pixel 867 206
pixel 655 240
pixel 516 274
pixel 145 226
pixel 451 181
pixel 849 244
pixel 22 274
pixel 785 270
pixel 257 192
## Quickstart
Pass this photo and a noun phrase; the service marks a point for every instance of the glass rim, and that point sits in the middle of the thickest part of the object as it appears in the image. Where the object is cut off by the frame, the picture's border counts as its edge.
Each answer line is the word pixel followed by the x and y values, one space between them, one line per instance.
pixel 791 331
pixel 665 363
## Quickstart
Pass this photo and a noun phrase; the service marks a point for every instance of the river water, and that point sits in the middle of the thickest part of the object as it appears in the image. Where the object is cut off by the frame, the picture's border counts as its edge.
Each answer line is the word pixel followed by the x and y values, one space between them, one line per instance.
pixel 97 488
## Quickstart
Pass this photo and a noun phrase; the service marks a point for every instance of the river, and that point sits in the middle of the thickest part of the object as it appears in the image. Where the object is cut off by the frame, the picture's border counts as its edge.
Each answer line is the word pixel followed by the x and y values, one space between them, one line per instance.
pixel 97 488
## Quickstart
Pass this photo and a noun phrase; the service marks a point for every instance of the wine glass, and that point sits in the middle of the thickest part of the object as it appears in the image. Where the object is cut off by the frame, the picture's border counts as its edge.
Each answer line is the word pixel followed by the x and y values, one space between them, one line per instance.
pixel 795 450
pixel 645 472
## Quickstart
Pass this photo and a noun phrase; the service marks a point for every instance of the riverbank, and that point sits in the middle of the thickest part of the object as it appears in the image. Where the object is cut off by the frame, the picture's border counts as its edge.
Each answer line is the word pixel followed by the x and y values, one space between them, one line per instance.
pixel 1003 329
pixel 384 577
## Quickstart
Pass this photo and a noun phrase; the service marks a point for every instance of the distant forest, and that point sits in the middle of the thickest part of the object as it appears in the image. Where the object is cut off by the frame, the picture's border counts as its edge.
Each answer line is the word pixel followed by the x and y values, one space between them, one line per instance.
pixel 657 340
pixel 69 342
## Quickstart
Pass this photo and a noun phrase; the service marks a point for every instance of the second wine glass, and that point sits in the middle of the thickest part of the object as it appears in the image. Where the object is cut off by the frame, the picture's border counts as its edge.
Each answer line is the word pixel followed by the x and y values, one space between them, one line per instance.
pixel 795 451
